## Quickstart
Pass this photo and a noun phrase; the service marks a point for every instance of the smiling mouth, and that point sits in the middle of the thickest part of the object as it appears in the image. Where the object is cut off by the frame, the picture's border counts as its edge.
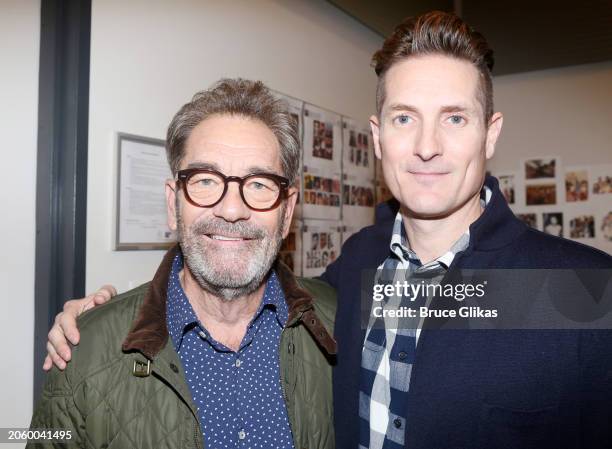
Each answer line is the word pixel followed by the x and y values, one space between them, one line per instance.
pixel 419 173
pixel 227 238
pixel 428 178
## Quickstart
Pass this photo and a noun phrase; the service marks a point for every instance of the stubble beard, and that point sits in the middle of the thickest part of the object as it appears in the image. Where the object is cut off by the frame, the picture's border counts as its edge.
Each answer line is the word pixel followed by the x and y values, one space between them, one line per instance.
pixel 229 274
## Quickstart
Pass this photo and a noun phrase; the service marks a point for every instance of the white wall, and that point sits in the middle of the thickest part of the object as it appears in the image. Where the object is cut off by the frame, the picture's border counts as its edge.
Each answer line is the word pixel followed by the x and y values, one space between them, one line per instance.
pixel 564 112
pixel 19 51
pixel 148 57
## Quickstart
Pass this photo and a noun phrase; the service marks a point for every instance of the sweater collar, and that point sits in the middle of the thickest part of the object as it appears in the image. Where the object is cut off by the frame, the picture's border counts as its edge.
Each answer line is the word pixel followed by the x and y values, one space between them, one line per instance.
pixel 497 227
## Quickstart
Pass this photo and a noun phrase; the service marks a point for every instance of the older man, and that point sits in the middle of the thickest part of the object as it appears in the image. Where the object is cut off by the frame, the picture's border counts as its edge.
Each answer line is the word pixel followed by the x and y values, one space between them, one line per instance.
pixel 434 130
pixel 224 347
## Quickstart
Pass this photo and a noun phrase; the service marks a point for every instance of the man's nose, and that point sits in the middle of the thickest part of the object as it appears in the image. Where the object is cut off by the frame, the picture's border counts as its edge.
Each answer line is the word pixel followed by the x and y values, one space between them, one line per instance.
pixel 427 145
pixel 232 208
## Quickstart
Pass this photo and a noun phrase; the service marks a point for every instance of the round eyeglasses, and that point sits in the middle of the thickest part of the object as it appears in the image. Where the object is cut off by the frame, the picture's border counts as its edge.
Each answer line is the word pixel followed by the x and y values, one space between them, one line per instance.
pixel 206 188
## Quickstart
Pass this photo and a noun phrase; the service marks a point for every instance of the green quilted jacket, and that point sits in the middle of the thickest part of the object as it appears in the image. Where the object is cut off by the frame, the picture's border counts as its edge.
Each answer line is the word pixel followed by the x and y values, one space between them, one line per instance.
pixel 125 386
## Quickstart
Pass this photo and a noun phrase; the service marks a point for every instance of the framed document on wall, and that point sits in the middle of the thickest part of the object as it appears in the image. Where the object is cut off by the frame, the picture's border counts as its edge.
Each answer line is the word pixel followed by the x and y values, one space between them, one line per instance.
pixel 142 222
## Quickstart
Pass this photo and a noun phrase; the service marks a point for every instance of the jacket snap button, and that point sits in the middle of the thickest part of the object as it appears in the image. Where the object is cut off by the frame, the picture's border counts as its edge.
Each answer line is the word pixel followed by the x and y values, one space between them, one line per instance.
pixel 174 368
pixel 397 423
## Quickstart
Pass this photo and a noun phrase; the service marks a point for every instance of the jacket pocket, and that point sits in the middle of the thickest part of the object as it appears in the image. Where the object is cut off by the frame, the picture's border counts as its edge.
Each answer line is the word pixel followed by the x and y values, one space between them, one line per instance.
pixel 502 427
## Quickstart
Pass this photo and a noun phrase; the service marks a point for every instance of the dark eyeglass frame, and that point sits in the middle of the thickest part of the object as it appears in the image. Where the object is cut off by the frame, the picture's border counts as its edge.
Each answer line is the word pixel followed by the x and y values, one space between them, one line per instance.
pixel 182 178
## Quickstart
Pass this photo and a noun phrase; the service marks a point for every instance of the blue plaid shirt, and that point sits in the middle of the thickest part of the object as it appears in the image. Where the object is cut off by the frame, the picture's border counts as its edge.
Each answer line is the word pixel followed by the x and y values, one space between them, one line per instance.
pixel 238 395
pixel 389 349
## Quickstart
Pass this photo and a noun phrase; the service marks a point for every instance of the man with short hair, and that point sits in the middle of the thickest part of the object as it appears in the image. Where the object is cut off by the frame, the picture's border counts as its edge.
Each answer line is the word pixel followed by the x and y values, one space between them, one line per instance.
pixel 224 348
pixel 430 388
pixel 453 388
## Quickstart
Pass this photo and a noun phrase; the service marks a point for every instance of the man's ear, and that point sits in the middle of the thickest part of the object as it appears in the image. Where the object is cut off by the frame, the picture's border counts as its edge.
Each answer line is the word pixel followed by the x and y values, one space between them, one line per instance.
pixel 375 127
pixel 171 193
pixel 292 196
pixel 493 131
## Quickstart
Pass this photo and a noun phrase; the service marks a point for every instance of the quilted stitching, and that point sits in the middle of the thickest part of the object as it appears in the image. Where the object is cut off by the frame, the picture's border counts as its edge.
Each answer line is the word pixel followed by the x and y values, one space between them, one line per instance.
pixel 100 397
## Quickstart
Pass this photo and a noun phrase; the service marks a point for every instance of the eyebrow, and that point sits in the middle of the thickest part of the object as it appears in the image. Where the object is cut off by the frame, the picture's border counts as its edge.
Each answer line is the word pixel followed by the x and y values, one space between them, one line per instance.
pixel 204 165
pixel 263 170
pixel 402 107
pixel 252 169
pixel 399 107
pixel 457 108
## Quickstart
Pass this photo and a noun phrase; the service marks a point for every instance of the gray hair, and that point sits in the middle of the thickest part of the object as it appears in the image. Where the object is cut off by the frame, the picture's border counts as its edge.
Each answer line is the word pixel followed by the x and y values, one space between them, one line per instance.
pixel 245 98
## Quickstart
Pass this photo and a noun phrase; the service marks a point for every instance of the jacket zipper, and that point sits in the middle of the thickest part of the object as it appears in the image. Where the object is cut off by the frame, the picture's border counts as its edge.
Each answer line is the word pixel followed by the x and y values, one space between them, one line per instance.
pixel 198 436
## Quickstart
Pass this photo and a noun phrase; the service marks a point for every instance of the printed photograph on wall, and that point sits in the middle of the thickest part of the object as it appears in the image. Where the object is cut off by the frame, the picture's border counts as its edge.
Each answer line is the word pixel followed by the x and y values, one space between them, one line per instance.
pixel 582 226
pixel 576 186
pixel 358 151
pixel 358 196
pixel 321 194
pixel 553 223
pixel 602 185
pixel 606 227
pixel 540 194
pixel 295 107
pixel 321 242
pixel 323 140
pixel 506 185
pixel 357 201
pixel 358 146
pixel 291 249
pixel 529 219
pixel 321 191
pixel 541 168
pixel 382 192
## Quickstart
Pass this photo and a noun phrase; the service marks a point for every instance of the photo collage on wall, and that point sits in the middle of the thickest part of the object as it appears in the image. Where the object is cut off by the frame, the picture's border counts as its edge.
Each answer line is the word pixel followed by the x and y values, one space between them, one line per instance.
pixel 574 202
pixel 338 186
pixel 358 149
pixel 321 191
pixel 382 191
pixel 359 196
pixel 322 240
pixel 295 107
pixel 291 249
pixel 358 172
pixel 322 164
pixel 540 181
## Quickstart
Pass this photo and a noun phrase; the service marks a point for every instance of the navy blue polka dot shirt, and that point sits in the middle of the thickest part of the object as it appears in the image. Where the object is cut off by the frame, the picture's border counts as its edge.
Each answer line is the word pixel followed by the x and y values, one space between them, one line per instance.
pixel 238 394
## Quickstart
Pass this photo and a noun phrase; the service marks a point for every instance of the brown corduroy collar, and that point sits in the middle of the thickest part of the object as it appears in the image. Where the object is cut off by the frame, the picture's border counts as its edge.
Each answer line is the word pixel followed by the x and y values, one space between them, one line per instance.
pixel 149 333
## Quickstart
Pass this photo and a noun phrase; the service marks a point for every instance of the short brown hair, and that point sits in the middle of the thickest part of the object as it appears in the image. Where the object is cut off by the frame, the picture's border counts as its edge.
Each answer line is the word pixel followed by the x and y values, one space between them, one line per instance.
pixel 240 97
pixel 442 33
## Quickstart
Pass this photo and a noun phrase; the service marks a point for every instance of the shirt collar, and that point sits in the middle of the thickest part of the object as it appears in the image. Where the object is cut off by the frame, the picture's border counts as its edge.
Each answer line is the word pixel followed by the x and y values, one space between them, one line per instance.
pixel 400 246
pixel 274 299
pixel 181 317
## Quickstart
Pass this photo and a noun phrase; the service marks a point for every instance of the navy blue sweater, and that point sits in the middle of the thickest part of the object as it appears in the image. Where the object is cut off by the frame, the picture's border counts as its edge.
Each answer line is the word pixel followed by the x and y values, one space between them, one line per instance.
pixel 483 388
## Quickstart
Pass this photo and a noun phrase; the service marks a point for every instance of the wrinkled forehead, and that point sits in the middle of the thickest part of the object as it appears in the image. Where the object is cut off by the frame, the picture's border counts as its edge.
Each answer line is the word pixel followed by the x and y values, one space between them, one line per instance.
pixel 233 144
